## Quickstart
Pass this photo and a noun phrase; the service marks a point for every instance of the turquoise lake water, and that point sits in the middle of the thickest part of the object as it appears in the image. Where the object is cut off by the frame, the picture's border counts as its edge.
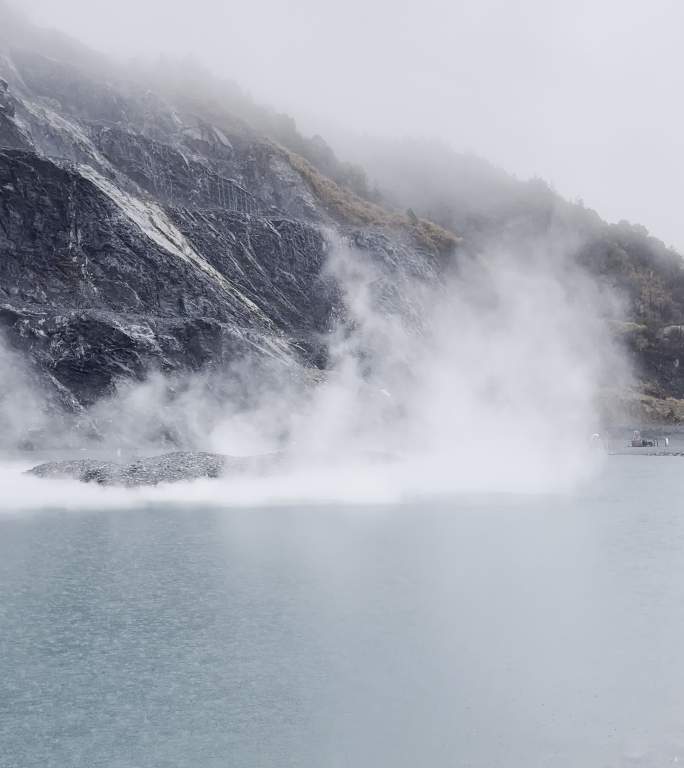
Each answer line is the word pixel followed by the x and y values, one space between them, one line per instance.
pixel 481 631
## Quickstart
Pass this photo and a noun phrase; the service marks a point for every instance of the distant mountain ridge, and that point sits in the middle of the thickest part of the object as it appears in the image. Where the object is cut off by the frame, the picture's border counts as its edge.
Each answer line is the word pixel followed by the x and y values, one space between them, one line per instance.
pixel 491 209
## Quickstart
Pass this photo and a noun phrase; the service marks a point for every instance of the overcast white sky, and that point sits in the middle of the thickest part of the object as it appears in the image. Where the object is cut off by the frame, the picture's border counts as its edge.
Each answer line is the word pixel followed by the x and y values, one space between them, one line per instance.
pixel 587 94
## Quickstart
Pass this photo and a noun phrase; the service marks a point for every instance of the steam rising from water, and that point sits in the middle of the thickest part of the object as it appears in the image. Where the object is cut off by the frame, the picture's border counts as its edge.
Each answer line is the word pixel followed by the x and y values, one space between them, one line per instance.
pixel 487 381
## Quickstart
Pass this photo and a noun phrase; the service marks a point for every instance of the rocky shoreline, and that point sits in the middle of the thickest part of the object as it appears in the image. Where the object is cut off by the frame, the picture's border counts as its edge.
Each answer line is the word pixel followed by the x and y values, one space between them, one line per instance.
pixel 168 468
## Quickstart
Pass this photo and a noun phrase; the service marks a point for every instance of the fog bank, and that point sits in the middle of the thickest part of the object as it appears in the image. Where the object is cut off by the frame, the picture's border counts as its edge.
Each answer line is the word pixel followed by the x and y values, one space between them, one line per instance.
pixel 581 94
pixel 486 381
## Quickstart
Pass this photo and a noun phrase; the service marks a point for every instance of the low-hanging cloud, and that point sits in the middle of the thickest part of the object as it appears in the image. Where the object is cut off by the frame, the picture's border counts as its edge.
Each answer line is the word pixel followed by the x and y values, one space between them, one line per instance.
pixel 580 109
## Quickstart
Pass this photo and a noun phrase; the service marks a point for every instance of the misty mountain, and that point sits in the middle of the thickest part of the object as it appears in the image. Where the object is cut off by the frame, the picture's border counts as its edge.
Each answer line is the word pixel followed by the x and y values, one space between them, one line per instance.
pixel 492 209
pixel 154 218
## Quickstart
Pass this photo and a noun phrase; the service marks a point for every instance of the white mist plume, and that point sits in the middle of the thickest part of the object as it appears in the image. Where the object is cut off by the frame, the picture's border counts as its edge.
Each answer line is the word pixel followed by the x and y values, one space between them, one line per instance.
pixel 486 381
pixel 489 380
pixel 21 406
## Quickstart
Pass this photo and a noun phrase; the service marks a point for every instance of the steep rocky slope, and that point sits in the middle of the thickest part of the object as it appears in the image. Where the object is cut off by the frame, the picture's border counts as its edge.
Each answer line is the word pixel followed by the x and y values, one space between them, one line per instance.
pixel 139 232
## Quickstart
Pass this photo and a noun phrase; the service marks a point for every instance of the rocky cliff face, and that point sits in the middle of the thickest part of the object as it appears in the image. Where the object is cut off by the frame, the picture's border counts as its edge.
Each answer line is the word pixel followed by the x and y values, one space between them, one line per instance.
pixel 135 234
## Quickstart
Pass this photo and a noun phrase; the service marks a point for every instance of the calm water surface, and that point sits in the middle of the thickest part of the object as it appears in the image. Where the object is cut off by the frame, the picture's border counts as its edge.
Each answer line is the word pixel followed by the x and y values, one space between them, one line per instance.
pixel 484 632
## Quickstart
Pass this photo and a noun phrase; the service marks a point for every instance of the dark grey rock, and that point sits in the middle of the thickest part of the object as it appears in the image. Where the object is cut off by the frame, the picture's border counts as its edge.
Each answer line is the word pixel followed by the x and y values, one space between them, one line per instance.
pixel 168 468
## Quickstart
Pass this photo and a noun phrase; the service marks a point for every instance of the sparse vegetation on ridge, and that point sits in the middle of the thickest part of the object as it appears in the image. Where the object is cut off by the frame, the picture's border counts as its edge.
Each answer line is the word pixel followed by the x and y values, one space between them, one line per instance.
pixel 345 205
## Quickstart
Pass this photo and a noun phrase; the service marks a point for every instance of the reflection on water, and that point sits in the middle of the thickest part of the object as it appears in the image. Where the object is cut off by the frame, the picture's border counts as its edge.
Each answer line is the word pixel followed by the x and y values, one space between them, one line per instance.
pixel 487 631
